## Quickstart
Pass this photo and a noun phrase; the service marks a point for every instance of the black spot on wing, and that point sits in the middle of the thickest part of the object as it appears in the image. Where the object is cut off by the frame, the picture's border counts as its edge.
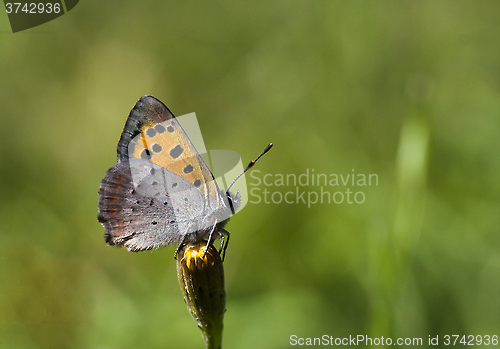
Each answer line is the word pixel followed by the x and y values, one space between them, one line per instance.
pixel 176 151
pixel 151 132
pixel 157 148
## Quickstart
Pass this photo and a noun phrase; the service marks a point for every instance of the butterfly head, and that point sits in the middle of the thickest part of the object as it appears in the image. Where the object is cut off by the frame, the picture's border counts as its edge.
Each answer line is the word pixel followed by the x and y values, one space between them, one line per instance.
pixel 232 201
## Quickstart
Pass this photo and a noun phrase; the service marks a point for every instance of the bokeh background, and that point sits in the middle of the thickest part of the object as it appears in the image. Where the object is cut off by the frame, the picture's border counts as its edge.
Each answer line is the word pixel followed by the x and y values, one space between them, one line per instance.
pixel 409 91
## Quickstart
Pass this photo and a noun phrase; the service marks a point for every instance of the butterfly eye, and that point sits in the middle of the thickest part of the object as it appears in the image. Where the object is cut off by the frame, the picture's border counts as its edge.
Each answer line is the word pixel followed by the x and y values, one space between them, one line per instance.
pixel 232 203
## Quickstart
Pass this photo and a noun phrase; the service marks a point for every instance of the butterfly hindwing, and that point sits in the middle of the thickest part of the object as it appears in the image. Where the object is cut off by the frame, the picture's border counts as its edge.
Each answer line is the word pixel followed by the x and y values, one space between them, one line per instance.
pixel 133 220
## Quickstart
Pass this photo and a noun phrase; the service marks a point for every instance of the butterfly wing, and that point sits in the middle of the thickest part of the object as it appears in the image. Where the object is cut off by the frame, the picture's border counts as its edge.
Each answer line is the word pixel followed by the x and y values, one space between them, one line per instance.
pixel 160 187
pixel 132 219
pixel 152 133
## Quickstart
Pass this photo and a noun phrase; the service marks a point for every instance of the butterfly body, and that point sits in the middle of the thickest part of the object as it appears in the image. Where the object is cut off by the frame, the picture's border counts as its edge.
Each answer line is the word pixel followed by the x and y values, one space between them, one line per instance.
pixel 161 191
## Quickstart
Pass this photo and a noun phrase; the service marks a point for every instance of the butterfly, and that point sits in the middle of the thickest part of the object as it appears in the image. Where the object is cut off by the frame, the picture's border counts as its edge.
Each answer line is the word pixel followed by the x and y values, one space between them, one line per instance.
pixel 161 191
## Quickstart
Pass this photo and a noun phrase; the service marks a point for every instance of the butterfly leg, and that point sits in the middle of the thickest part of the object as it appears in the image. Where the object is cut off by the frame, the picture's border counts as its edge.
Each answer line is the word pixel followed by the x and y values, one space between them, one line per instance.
pixel 225 239
pixel 210 239
pixel 181 246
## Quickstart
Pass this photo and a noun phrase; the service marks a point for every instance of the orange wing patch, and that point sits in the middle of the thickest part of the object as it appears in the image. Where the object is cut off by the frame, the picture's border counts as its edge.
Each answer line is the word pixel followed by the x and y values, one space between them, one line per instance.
pixel 167 145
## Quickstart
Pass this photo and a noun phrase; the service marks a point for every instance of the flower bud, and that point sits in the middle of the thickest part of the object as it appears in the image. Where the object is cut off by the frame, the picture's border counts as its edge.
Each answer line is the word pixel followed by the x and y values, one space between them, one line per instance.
pixel 202 282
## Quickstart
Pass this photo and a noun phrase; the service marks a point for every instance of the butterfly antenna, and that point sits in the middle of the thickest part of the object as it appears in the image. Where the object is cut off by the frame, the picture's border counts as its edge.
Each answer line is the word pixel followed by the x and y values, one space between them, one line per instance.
pixel 249 167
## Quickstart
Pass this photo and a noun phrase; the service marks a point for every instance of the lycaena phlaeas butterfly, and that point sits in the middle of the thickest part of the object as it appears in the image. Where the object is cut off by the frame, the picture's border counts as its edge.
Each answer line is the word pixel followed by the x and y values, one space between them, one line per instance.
pixel 161 191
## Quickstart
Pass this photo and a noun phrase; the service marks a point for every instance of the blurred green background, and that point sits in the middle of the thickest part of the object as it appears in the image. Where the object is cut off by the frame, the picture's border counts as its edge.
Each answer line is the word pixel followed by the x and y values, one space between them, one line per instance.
pixel 409 91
